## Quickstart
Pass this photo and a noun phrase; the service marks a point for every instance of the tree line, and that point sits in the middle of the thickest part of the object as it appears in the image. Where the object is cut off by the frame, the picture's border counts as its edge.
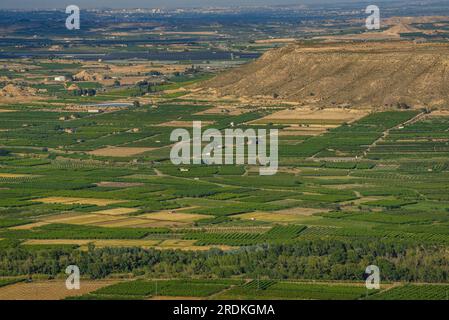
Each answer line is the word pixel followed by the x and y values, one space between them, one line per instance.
pixel 318 260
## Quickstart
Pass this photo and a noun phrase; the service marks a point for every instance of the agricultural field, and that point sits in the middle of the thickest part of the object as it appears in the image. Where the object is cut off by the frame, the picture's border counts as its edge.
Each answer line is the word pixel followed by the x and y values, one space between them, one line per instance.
pixel 48 290
pixel 336 190
pixel 269 290
pixel 414 292
pixel 224 289
pixel 168 288
pixel 86 176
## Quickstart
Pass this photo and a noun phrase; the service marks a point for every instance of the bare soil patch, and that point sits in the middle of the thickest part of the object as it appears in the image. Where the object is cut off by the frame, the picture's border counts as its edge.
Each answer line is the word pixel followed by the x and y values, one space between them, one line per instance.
pixel 302 132
pixel 284 216
pixel 223 110
pixel 175 216
pixel 49 290
pixel 13 175
pixel 97 243
pixel 309 116
pixel 86 219
pixel 120 151
pixel 136 222
pixel 183 124
pixel 30 226
pixel 117 211
pixel 439 113
pixel 91 201
pixel 188 245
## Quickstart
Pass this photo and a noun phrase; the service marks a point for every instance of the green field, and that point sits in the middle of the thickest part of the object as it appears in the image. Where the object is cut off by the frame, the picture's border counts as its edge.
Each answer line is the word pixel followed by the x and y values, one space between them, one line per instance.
pixel 264 290
pixel 86 179
pixel 324 222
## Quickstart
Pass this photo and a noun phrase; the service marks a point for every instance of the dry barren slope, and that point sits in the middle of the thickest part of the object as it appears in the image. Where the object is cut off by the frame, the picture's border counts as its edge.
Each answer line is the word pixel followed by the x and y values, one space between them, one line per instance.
pixel 364 74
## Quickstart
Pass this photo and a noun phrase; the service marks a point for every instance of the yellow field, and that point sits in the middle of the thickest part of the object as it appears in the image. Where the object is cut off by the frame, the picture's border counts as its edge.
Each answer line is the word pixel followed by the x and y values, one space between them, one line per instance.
pixel 331 116
pixel 188 245
pixel 67 200
pixel 283 216
pixel 97 243
pixel 30 226
pixel 228 110
pixel 136 222
pixel 364 200
pixel 49 290
pixel 59 217
pixel 185 124
pixel 70 242
pixel 84 219
pixel 13 175
pixel 117 219
pixel 175 216
pixel 126 243
pixel 439 113
pixel 117 211
pixel 297 131
pixel 119 151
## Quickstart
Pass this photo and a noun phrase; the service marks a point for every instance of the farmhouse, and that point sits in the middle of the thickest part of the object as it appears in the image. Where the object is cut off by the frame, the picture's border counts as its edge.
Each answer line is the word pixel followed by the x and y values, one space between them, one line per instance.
pixel 60 78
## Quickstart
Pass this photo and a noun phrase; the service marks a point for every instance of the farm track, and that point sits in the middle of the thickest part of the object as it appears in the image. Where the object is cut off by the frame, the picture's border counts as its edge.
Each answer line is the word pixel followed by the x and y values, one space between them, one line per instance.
pixel 386 133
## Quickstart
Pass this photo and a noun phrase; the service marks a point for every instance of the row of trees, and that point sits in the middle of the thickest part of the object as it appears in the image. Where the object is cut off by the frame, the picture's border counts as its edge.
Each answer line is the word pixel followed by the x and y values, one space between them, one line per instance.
pixel 144 87
pixel 84 92
pixel 320 260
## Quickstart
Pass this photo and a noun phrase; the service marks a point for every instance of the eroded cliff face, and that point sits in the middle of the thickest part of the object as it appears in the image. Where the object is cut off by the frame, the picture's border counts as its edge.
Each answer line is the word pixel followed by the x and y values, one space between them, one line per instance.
pixel 363 74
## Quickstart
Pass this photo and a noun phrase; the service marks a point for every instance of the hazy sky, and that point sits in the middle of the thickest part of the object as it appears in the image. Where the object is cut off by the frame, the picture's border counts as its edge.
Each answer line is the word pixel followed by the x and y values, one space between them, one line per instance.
pixel 39 4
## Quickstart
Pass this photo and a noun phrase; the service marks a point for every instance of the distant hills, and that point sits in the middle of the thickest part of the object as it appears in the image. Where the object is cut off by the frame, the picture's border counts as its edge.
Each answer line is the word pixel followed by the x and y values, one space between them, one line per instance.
pixel 372 74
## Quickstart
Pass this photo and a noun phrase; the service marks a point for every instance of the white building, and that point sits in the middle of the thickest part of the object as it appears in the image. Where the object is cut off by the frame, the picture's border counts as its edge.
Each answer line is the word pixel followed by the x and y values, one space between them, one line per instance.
pixel 60 78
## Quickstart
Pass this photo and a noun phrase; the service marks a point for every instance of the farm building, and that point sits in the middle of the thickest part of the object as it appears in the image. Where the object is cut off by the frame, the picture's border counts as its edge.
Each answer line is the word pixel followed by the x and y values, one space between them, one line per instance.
pixel 60 78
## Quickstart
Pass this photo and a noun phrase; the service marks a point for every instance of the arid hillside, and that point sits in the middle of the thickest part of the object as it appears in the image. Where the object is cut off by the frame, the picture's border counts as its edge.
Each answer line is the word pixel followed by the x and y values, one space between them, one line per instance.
pixel 356 74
